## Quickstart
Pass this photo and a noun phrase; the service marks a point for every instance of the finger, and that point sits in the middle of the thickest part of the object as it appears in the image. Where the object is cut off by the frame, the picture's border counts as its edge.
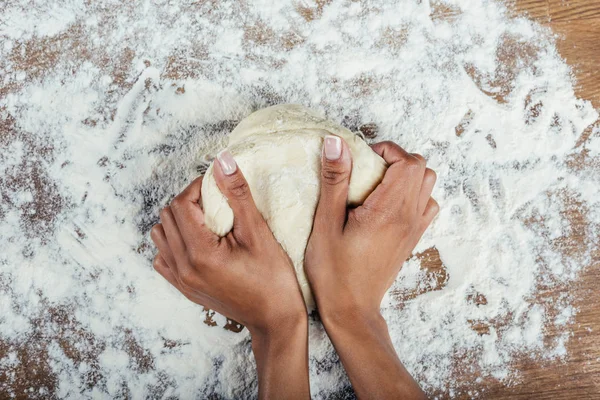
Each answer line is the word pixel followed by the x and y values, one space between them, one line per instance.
pixel 401 184
pixel 389 151
pixel 336 166
pixel 233 185
pixel 419 157
pixel 160 240
pixel 190 217
pixel 426 188
pixel 175 241
pixel 431 210
pixel 402 165
pixel 406 175
pixel 161 266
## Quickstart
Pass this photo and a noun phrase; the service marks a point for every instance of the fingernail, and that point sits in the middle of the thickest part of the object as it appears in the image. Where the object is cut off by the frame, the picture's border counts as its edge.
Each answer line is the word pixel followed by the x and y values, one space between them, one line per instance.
pixel 227 162
pixel 333 147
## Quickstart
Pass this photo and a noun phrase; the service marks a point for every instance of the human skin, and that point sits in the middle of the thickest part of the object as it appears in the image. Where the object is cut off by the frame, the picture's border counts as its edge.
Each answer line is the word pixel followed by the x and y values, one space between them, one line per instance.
pixel 354 255
pixel 245 275
pixel 351 259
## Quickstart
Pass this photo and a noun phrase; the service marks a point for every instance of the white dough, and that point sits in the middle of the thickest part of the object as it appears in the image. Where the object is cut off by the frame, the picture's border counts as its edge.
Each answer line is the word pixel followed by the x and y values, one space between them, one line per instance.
pixel 278 149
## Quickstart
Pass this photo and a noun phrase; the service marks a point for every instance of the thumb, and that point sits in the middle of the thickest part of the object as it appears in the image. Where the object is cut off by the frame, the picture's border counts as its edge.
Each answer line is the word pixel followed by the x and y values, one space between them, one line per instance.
pixel 233 185
pixel 336 166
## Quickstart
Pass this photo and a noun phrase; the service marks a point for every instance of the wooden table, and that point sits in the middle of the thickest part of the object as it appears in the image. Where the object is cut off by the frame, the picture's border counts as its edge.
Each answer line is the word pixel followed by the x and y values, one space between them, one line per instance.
pixel 578 24
pixel 578 377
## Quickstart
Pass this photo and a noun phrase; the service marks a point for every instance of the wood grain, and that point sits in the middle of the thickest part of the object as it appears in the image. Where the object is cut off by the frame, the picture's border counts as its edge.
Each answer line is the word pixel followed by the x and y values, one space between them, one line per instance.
pixel 577 22
pixel 561 10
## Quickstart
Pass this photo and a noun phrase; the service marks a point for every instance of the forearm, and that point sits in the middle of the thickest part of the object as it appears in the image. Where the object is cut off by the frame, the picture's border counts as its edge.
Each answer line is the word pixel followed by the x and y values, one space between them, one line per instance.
pixel 366 351
pixel 282 362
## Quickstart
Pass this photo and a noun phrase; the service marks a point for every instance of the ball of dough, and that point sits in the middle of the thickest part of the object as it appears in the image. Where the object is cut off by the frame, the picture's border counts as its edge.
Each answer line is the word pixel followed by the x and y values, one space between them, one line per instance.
pixel 278 149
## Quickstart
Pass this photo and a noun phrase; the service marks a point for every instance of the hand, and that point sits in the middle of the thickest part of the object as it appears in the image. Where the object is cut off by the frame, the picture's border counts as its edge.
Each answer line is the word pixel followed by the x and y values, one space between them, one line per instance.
pixel 245 275
pixel 353 257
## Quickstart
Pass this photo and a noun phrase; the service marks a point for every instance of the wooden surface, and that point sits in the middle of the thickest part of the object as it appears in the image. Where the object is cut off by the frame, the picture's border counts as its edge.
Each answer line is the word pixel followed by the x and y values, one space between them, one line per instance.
pixel 577 22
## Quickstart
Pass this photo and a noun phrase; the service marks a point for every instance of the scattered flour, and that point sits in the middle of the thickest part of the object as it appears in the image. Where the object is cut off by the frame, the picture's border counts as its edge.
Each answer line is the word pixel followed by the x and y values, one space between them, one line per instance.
pixel 109 108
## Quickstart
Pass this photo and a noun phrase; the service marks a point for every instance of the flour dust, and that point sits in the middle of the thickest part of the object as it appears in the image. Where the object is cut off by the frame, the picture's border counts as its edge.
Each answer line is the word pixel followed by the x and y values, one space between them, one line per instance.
pixel 108 109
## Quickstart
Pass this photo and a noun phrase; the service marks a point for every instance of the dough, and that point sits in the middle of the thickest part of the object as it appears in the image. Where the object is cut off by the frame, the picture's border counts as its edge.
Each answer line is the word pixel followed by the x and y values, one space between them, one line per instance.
pixel 278 149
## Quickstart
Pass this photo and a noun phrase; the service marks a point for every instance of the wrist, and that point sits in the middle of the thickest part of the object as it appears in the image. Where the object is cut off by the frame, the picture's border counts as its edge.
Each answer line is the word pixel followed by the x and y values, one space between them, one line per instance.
pixel 365 348
pixel 348 314
pixel 281 354
pixel 284 330
pixel 353 322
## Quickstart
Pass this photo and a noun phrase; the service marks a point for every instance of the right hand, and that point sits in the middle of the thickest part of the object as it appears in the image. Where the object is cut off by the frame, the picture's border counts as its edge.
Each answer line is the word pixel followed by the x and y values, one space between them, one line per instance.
pixel 353 256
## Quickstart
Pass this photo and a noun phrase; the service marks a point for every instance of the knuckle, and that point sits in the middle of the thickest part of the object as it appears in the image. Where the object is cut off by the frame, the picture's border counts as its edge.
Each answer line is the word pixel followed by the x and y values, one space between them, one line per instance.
pixel 363 215
pixel 156 263
pixel 197 259
pixel 334 175
pixel 155 232
pixel 186 276
pixel 406 165
pixel 388 143
pixel 430 174
pixel 405 158
pixel 420 158
pixel 413 165
pixel 248 240
pixel 430 177
pixel 413 161
pixel 394 148
pixel 164 213
pixel 177 203
pixel 435 206
pixel 239 188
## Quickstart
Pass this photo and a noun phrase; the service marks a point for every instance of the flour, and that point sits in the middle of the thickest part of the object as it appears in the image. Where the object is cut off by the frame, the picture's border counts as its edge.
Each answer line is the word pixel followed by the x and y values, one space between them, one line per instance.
pixel 110 108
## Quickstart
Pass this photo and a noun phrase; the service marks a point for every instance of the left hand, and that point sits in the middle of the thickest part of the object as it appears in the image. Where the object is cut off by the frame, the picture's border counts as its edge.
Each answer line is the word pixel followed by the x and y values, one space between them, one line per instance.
pixel 245 275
